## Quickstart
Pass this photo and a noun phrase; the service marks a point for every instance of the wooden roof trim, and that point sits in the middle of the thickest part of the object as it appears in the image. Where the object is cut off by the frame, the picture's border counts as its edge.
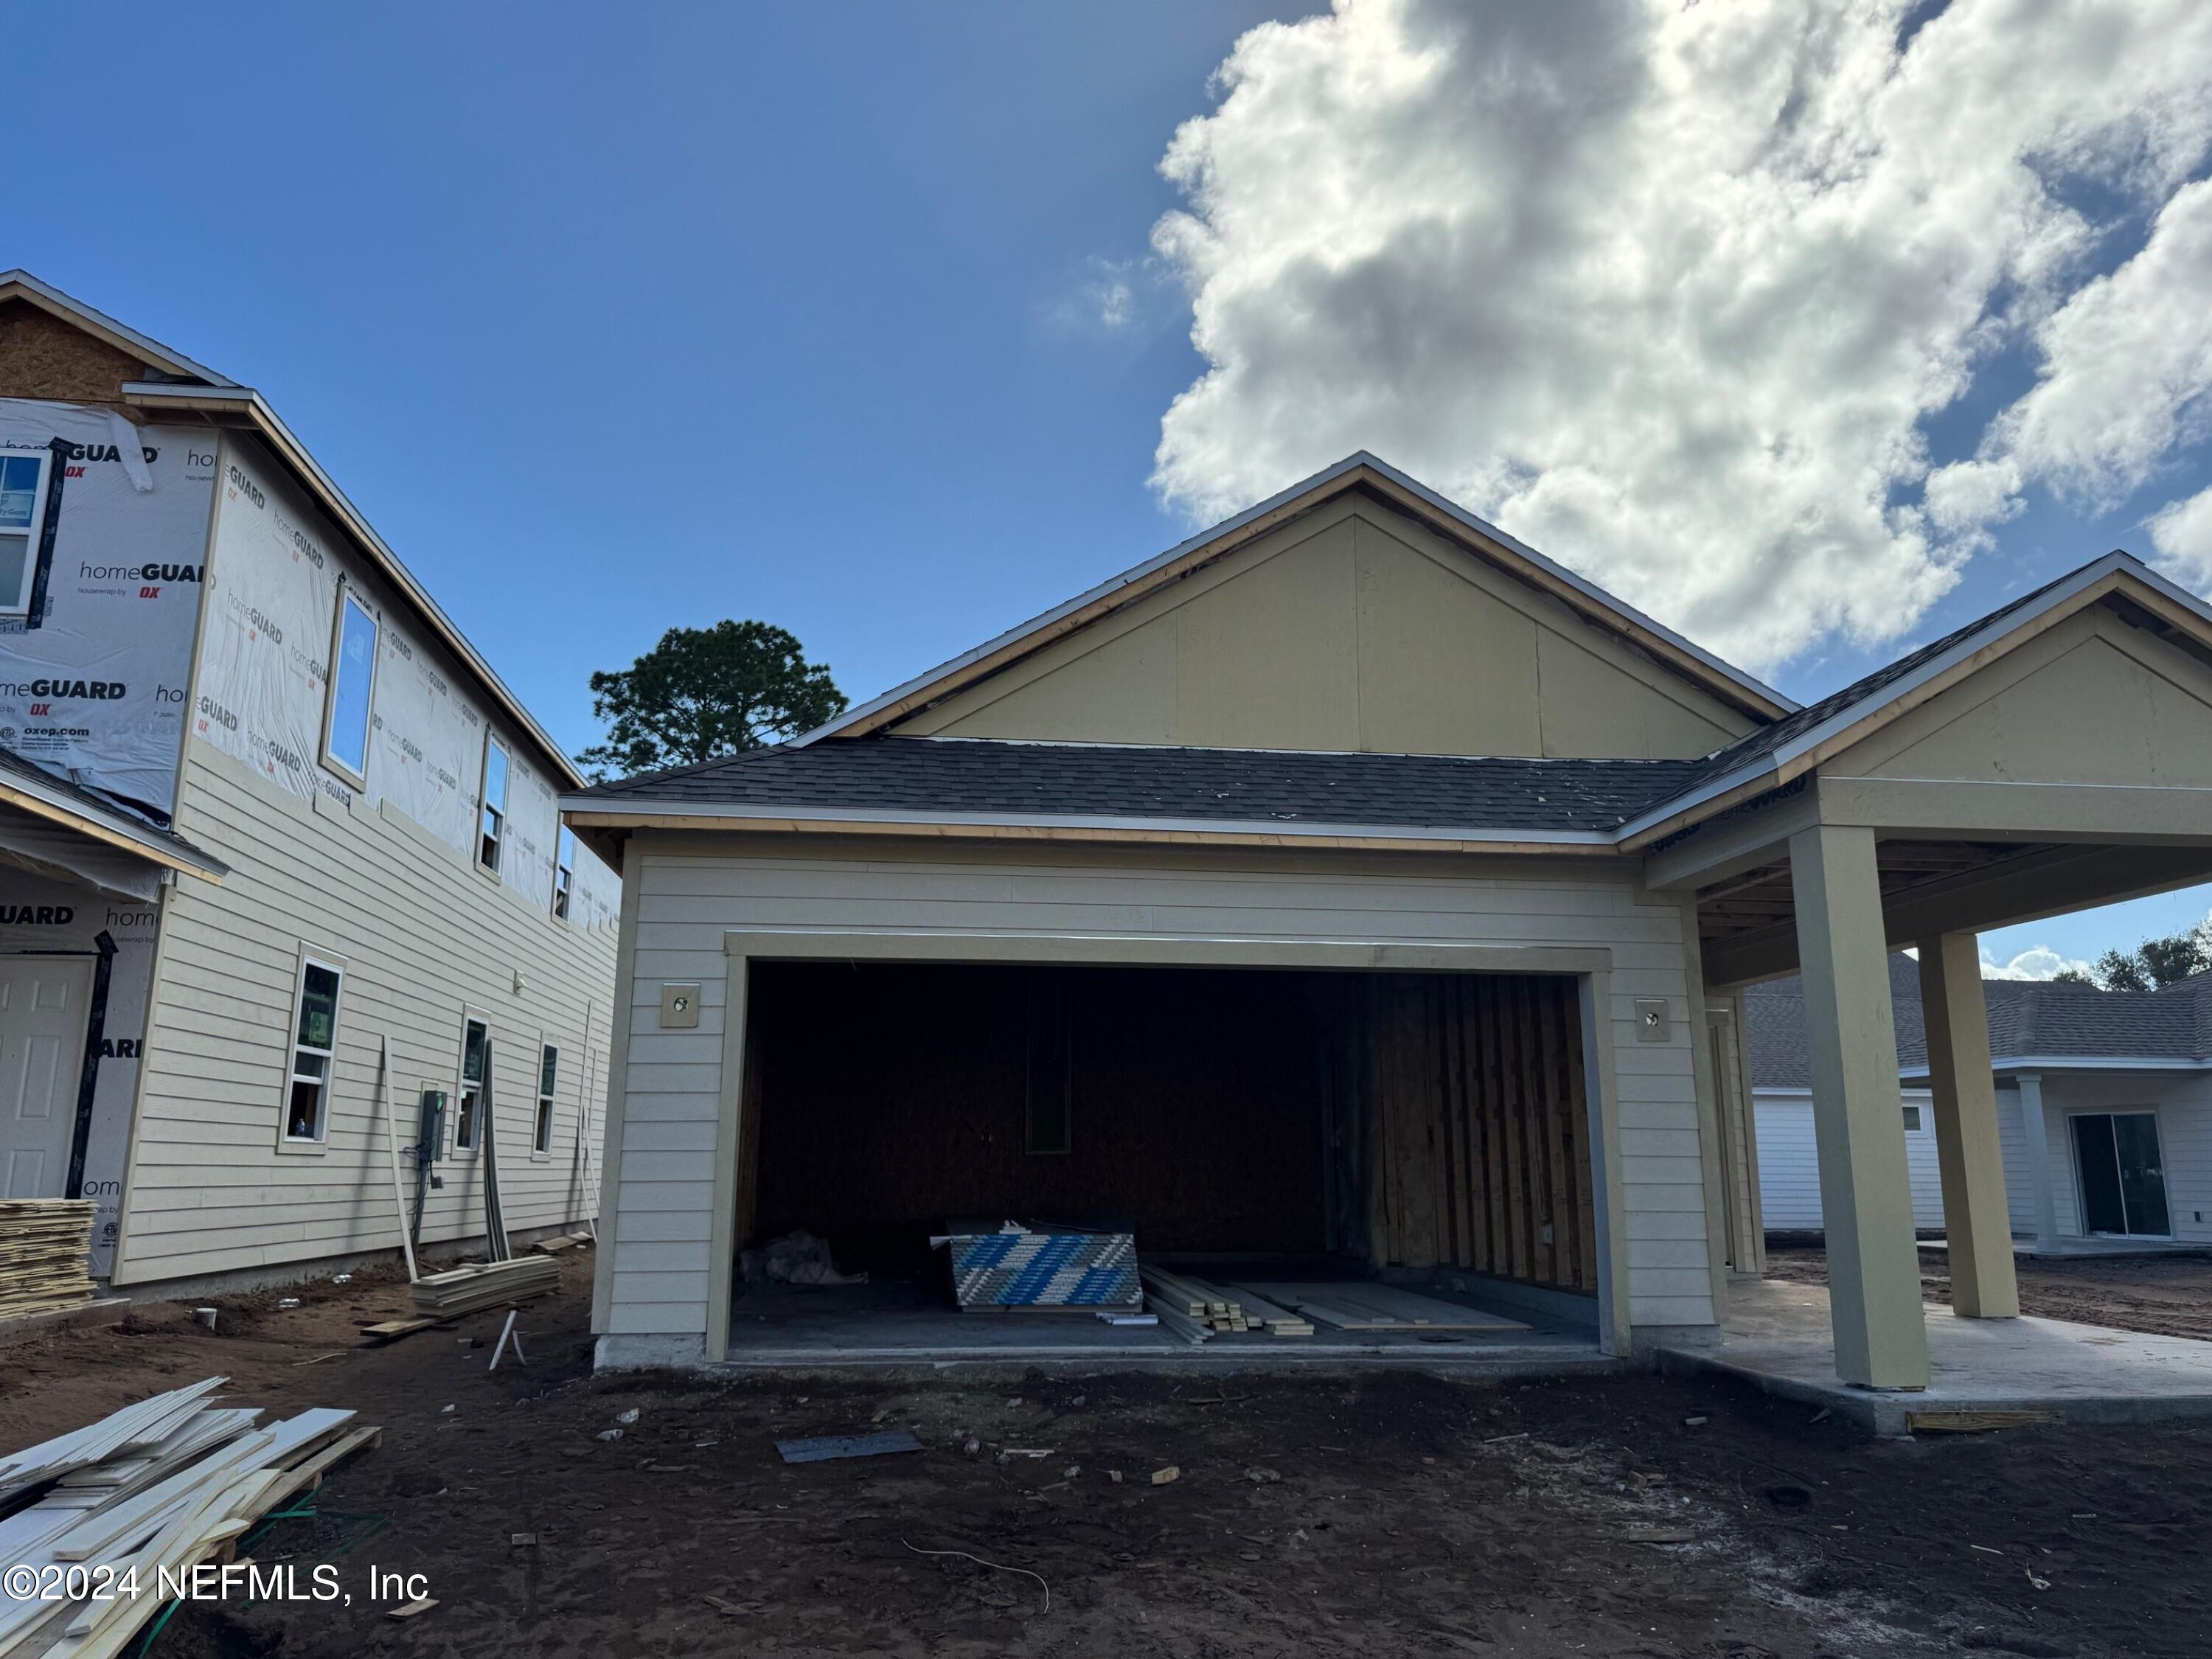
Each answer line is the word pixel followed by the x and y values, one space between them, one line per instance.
pixel 151 848
pixel 934 829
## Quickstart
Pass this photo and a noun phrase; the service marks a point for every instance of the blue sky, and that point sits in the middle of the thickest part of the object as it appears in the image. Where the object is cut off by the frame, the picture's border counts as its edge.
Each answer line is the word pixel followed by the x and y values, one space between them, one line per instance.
pixel 627 320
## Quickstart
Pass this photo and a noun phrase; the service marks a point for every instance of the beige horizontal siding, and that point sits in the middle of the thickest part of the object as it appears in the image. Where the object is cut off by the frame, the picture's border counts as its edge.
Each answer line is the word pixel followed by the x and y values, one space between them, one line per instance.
pixel 692 890
pixel 423 936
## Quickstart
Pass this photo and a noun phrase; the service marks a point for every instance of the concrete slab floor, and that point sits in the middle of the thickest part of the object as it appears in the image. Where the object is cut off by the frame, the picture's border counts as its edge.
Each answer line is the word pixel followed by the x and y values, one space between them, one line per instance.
pixel 1776 1338
pixel 903 1324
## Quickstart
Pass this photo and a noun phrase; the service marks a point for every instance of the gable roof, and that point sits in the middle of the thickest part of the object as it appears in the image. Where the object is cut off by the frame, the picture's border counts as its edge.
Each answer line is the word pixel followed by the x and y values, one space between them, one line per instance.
pixel 1078 788
pixel 2032 1023
pixel 20 285
pixel 1287 794
pixel 198 390
pixel 1360 472
pixel 1793 744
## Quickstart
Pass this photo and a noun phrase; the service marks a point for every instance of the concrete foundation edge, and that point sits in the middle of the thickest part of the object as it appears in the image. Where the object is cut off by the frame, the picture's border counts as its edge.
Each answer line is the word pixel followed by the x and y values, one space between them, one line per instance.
pixel 238 1281
pixel 681 1352
pixel 1888 1414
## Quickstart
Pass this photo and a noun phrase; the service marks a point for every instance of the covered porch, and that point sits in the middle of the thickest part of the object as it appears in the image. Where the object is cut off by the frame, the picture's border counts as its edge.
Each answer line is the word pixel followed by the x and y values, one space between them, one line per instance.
pixel 2053 757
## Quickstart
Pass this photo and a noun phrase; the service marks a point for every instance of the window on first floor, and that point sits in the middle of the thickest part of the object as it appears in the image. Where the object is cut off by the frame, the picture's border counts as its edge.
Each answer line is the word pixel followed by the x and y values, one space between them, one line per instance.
pixel 549 1071
pixel 476 1055
pixel 314 1040
pixel 564 870
pixel 493 828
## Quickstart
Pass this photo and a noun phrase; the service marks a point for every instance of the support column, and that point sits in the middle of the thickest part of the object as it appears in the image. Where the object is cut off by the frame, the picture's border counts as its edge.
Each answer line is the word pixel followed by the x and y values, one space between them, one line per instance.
pixel 1975 1218
pixel 2035 1136
pixel 1858 1125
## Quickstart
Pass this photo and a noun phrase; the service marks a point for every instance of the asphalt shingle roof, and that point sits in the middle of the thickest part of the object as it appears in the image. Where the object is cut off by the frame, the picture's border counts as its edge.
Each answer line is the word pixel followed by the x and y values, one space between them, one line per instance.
pixel 1088 781
pixel 2038 1019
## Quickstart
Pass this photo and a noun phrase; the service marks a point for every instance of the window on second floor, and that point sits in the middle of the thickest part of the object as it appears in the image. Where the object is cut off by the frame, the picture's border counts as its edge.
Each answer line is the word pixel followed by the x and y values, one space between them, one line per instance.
pixel 564 872
pixel 353 682
pixel 22 514
pixel 493 829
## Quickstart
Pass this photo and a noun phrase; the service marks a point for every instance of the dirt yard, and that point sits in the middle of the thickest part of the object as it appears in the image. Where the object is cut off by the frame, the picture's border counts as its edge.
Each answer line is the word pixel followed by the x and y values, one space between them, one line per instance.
pixel 1386 1513
pixel 2162 1295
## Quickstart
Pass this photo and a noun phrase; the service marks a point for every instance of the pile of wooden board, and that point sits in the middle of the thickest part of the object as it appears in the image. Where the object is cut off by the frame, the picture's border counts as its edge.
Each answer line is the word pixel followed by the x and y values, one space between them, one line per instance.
pixel 1366 1305
pixel 484 1285
pixel 44 1244
pixel 154 1490
pixel 1196 1311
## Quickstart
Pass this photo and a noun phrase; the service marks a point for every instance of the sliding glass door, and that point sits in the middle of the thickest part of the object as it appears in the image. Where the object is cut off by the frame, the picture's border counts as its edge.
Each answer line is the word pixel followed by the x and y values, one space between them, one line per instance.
pixel 2122 1176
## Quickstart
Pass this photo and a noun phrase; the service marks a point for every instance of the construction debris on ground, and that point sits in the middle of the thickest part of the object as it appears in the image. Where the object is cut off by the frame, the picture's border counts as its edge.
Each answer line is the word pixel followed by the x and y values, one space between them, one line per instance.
pixel 128 1506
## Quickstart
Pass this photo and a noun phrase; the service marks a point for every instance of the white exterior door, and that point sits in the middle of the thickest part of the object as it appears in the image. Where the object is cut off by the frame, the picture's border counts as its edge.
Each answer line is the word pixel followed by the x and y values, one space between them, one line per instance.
pixel 42 1006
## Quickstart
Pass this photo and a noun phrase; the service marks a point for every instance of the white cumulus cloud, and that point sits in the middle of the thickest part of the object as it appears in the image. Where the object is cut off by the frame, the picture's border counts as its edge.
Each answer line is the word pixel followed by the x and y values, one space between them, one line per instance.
pixel 1670 289
pixel 2182 533
pixel 2038 963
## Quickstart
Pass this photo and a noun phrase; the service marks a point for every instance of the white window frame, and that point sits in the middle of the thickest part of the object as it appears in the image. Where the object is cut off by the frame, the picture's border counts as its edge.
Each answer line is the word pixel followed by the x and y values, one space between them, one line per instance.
pixel 564 891
pixel 294 1048
pixel 541 1139
pixel 460 1113
pixel 351 595
pixel 1916 1116
pixel 20 606
pixel 484 805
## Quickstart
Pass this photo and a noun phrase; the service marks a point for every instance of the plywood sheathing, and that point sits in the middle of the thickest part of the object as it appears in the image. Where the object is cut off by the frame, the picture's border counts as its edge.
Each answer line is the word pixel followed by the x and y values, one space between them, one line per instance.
pixel 1457 1115
pixel 43 357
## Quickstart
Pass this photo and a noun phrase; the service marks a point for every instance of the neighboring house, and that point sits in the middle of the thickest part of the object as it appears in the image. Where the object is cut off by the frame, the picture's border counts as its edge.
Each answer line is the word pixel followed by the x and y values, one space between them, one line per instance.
pixel 278 852
pixel 2104 1104
pixel 1353 880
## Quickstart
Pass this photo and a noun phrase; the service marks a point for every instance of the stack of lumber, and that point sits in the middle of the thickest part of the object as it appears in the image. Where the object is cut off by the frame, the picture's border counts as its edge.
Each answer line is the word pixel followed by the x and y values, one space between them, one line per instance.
pixel 129 1505
pixel 1195 1309
pixel 1365 1305
pixel 44 1244
pixel 485 1284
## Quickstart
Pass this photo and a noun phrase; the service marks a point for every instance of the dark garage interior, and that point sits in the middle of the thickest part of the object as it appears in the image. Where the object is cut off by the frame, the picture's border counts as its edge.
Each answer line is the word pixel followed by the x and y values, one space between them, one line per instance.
pixel 1333 1124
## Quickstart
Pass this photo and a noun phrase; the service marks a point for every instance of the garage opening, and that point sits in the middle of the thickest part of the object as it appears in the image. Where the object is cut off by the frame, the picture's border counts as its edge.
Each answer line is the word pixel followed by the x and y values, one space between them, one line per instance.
pixel 1427 1133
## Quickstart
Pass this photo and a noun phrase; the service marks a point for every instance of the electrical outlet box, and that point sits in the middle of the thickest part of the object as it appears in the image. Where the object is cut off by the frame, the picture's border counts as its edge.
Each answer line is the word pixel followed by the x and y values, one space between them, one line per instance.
pixel 430 1129
pixel 1653 1022
pixel 679 1007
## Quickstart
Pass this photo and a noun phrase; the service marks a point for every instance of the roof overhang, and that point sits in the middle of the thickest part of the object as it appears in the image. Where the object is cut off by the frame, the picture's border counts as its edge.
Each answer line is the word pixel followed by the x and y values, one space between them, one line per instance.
pixel 241 407
pixel 2116 576
pixel 111 827
pixel 2084 1063
pixel 598 816
pixel 1359 472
